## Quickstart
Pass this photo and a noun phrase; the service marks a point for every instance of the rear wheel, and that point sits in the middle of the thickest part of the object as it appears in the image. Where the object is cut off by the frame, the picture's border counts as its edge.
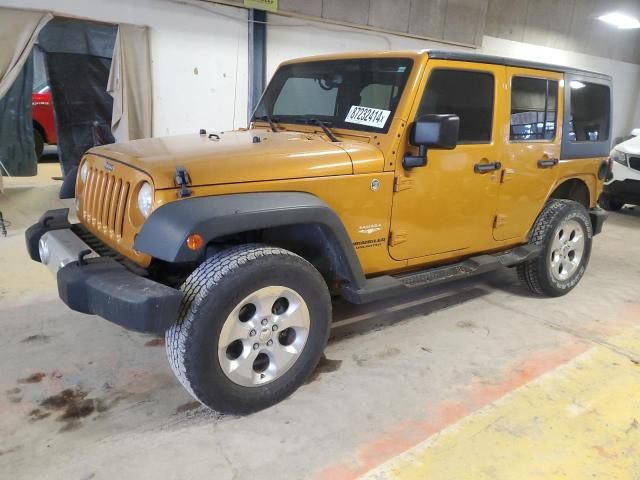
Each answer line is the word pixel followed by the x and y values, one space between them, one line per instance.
pixel 564 232
pixel 255 320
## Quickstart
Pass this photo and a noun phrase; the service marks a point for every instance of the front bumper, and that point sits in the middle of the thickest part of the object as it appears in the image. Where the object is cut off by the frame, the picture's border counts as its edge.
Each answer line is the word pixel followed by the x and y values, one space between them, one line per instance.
pixel 627 190
pixel 102 286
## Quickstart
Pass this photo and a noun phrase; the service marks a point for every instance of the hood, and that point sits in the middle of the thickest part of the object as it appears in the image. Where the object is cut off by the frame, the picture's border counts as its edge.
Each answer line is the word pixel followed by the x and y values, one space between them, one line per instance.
pixel 631 146
pixel 237 157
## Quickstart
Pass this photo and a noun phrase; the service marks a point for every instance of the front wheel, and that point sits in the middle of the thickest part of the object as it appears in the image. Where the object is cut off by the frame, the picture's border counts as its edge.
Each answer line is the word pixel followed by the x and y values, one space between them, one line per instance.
pixel 253 326
pixel 565 233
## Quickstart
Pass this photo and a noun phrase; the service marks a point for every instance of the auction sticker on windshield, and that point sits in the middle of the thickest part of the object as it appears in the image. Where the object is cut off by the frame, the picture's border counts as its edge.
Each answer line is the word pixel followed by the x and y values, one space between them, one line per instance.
pixel 372 117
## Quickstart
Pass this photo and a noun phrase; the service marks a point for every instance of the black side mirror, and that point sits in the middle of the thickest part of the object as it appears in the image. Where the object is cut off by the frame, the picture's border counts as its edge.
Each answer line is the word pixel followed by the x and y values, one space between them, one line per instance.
pixel 432 131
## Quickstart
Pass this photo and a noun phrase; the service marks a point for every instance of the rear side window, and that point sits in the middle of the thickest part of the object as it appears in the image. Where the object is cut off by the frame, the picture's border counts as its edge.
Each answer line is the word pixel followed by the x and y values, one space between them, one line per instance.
pixel 533 109
pixel 590 109
pixel 464 93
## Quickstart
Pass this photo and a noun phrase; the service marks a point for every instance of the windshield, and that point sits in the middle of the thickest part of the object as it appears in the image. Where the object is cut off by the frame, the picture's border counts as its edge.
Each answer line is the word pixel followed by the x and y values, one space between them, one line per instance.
pixel 357 94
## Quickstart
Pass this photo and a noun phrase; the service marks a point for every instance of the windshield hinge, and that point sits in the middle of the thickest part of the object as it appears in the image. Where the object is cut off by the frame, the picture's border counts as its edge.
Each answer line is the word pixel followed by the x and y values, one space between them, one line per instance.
pixel 402 183
pixel 182 180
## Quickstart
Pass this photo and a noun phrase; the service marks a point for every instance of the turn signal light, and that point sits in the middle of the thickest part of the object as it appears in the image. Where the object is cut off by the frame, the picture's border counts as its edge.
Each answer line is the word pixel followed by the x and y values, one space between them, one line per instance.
pixel 194 241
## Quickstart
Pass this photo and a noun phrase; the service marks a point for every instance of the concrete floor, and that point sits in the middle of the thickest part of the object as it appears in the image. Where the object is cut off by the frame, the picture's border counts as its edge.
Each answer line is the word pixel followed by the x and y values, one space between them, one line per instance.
pixel 411 387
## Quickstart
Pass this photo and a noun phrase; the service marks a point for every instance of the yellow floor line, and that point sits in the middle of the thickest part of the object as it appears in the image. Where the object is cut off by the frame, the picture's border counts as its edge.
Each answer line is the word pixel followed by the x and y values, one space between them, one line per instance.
pixel 580 421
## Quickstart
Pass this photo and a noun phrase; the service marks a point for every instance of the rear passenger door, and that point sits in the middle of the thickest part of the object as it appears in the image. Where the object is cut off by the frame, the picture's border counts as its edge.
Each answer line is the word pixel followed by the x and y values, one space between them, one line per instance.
pixel 531 150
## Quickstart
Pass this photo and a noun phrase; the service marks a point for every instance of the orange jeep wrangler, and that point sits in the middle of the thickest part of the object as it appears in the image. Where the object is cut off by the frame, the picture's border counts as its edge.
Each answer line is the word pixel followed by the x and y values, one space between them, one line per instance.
pixel 362 175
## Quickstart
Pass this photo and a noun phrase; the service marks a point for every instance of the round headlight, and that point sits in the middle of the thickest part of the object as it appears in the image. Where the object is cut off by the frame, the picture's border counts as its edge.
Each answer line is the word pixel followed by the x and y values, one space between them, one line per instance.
pixel 145 199
pixel 84 172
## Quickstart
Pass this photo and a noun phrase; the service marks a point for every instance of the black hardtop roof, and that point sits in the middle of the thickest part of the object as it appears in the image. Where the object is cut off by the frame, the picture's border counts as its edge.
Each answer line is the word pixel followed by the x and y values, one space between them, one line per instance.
pixel 511 62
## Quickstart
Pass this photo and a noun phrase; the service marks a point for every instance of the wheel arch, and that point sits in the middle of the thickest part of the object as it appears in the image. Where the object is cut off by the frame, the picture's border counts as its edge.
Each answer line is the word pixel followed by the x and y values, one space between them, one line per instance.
pixel 576 189
pixel 296 221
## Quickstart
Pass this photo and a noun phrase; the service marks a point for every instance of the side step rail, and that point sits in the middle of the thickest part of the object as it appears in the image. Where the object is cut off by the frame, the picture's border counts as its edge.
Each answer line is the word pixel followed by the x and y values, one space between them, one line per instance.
pixel 387 285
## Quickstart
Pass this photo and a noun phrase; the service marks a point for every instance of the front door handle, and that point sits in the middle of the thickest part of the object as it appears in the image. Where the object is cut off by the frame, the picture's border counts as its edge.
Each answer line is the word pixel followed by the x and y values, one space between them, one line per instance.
pixel 487 167
pixel 547 162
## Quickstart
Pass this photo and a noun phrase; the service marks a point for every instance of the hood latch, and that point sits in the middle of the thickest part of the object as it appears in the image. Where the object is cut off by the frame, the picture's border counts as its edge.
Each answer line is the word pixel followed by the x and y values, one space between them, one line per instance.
pixel 182 180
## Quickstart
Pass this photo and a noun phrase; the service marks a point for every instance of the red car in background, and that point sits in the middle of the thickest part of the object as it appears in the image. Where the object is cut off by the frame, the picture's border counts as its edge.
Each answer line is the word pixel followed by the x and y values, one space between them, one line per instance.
pixel 44 125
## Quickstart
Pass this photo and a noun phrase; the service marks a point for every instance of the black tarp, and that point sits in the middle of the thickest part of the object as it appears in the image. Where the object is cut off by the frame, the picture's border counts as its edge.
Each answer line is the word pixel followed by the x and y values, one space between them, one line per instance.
pixel 78 58
pixel 17 151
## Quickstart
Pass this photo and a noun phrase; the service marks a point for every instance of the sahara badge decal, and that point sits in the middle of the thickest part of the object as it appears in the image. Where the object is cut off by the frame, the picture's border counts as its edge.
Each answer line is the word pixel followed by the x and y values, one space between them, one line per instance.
pixel 369 229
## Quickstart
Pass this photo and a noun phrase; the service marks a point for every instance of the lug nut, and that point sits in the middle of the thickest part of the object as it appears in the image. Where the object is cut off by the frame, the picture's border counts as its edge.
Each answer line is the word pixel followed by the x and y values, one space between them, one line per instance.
pixel 269 343
pixel 256 346
pixel 264 321
pixel 274 328
pixel 252 333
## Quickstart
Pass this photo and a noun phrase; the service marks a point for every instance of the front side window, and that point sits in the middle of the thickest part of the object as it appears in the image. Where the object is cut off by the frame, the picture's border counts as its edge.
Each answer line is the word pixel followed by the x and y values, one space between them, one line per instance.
pixel 533 109
pixel 590 107
pixel 356 94
pixel 464 93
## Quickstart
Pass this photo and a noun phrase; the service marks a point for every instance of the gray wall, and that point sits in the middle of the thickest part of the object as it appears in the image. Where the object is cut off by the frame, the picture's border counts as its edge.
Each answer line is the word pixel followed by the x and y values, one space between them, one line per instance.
pixel 565 24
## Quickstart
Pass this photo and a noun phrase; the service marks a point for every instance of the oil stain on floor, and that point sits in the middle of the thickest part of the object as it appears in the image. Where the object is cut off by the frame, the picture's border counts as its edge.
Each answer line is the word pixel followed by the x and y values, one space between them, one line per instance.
pixel 70 405
pixel 33 378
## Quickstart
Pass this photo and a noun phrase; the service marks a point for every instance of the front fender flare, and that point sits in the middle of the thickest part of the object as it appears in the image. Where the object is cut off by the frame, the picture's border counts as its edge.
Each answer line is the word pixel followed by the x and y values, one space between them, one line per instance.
pixel 165 232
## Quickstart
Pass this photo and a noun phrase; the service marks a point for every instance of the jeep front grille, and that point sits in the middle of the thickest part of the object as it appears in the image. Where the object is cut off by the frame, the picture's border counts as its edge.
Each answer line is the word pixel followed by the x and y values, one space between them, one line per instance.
pixel 105 201
pixel 634 162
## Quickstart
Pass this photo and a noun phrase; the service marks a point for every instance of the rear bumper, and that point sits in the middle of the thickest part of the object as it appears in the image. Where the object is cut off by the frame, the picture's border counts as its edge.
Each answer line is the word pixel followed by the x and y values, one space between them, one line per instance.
pixel 598 217
pixel 101 285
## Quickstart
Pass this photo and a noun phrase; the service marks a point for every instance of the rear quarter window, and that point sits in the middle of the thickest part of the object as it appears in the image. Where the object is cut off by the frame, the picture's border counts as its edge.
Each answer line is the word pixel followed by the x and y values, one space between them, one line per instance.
pixel 590 111
pixel 586 128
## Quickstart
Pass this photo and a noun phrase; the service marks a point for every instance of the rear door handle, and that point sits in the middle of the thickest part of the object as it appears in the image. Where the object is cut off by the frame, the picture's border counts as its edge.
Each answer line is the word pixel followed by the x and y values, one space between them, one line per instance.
pixel 547 162
pixel 487 167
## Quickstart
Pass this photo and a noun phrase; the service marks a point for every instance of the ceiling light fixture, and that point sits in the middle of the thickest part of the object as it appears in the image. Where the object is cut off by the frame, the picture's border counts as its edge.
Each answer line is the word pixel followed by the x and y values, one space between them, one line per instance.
pixel 620 20
pixel 575 84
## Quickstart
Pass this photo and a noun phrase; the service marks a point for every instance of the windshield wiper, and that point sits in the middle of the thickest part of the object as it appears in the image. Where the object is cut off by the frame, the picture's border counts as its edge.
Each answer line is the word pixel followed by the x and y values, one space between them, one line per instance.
pixel 324 127
pixel 268 118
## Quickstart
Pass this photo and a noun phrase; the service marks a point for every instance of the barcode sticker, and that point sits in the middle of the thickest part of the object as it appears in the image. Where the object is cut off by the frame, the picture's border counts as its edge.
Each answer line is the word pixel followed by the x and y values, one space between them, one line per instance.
pixel 372 117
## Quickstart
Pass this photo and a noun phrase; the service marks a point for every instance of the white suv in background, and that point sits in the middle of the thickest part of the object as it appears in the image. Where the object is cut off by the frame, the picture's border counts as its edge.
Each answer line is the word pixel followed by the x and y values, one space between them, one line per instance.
pixel 624 184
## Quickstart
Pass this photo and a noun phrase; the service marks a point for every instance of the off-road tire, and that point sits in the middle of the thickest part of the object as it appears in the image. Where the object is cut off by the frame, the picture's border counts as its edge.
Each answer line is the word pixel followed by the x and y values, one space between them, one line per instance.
pixel 211 293
pixel 38 143
pixel 610 203
pixel 536 274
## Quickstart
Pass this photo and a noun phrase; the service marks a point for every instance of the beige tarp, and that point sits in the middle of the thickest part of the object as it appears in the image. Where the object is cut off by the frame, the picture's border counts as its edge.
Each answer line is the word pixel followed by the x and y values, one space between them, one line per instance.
pixel 18 32
pixel 130 84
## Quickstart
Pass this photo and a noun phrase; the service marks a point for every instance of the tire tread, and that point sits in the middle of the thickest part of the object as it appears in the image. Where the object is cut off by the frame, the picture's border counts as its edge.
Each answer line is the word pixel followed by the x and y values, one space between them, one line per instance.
pixel 530 273
pixel 196 288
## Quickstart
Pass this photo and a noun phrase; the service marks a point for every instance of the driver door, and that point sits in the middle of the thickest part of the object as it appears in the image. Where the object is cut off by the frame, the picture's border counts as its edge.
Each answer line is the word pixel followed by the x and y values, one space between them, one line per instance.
pixel 447 207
